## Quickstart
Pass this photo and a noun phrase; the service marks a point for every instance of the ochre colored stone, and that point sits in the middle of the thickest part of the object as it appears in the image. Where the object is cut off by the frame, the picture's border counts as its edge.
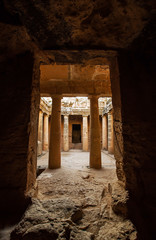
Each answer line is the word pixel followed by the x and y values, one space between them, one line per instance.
pixel 85 133
pixel 55 134
pixel 95 140
pixel 66 133
pixel 104 132
pixel 45 137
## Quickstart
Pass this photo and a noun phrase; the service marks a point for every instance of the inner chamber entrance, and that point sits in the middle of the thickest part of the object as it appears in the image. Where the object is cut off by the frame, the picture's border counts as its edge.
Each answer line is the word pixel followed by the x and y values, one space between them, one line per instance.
pixel 76 133
pixel 67 82
pixel 75 178
pixel 76 124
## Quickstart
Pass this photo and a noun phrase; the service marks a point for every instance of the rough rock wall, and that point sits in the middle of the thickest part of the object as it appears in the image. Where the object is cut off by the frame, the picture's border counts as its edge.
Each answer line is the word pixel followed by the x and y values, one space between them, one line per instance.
pixel 117 119
pixel 19 99
pixel 137 81
pixel 84 24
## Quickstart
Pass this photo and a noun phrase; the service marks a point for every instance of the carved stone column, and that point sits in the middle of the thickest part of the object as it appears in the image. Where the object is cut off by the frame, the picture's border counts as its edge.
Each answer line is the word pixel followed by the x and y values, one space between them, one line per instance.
pixel 40 126
pixel 40 133
pixel 55 134
pixel 95 139
pixel 110 133
pixel 66 133
pixel 104 132
pixel 45 137
pixel 49 126
pixel 85 133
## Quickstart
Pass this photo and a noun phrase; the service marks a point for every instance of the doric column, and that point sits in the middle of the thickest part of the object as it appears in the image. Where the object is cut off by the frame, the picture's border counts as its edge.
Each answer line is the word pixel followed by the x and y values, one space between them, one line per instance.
pixel 95 139
pixel 45 137
pixel 55 134
pixel 40 126
pixel 104 132
pixel 66 133
pixel 40 133
pixel 49 126
pixel 110 133
pixel 85 133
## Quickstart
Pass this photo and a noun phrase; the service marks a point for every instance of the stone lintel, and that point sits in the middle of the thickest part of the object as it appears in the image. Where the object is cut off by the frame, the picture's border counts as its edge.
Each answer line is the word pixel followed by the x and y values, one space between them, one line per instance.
pixel 99 87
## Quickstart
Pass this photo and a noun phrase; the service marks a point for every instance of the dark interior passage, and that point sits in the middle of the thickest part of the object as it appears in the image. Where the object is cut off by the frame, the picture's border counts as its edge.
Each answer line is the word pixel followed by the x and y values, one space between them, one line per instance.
pixel 76 133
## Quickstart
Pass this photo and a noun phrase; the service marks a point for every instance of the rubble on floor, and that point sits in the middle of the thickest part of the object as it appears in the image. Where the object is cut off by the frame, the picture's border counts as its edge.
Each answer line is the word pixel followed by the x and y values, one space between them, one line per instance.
pixel 76 205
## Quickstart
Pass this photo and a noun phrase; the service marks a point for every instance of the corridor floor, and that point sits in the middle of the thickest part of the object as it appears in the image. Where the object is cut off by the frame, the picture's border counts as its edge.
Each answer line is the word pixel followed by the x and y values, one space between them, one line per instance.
pixel 76 202
pixel 76 159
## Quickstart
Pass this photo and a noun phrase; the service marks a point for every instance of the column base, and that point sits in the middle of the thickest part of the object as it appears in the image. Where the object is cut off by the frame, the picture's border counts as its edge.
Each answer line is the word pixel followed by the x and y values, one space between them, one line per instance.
pixel 54 166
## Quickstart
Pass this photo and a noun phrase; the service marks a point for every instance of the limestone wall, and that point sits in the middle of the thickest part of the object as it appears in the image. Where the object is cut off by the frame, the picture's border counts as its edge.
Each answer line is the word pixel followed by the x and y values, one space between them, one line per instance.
pixel 137 74
pixel 19 104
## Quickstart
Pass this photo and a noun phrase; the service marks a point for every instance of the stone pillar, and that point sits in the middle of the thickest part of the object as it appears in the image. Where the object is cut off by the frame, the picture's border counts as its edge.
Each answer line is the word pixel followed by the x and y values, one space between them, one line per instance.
pixel 45 137
pixel 55 134
pixel 110 133
pixel 66 133
pixel 104 132
pixel 95 137
pixel 40 126
pixel 49 126
pixel 85 133
pixel 19 104
pixel 40 133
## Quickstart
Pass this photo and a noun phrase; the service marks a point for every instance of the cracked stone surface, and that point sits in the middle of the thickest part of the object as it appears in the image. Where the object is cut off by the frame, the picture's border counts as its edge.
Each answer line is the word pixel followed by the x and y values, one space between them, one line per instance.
pixel 83 23
pixel 76 202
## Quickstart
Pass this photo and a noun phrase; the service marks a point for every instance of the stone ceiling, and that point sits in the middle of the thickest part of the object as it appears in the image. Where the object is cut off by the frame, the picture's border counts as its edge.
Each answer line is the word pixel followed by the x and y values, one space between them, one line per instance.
pixel 75 80
pixel 80 24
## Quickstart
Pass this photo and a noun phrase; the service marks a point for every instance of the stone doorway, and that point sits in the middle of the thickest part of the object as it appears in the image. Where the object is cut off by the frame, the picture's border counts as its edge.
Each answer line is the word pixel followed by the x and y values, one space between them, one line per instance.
pixel 76 136
pixel 76 133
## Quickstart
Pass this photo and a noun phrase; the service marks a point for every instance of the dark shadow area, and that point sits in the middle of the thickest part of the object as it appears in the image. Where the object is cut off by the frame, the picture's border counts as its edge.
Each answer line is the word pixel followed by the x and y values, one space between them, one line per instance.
pixel 76 133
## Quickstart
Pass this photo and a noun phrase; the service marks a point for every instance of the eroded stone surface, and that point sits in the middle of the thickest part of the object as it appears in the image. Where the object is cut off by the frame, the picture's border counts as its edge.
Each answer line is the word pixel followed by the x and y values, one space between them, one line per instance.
pixel 76 203
pixel 89 24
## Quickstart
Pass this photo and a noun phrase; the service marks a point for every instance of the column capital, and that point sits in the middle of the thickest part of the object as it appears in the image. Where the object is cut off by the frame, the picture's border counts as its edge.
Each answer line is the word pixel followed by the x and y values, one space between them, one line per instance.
pixel 93 96
pixel 46 114
pixel 59 96
pixel 110 112
pixel 41 111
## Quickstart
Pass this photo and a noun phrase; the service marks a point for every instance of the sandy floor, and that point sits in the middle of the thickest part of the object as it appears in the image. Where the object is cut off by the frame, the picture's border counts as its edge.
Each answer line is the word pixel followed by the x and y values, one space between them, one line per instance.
pixel 75 202
pixel 75 175
pixel 92 191
pixel 76 159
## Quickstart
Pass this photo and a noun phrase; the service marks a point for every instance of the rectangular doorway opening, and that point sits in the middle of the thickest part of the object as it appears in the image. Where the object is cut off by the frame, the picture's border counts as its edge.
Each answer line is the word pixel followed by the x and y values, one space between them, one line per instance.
pixel 76 133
